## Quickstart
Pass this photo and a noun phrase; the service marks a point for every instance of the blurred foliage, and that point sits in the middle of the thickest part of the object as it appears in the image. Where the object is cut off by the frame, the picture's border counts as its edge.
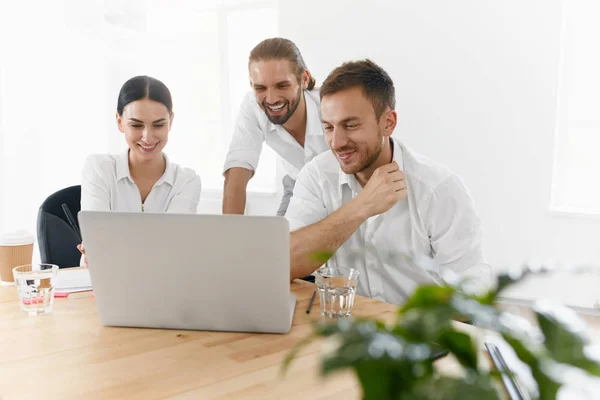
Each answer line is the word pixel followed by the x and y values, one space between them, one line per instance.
pixel 393 361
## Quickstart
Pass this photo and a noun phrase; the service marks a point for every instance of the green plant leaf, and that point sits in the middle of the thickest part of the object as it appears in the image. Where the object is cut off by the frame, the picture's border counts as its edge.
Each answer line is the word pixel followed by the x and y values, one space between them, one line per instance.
pixel 502 282
pixel 387 380
pixel 375 381
pixel 353 345
pixel 565 337
pixel 424 325
pixel 547 387
pixel 360 345
pixel 461 345
pixel 527 356
pixel 428 296
pixel 475 387
pixel 392 362
pixel 292 354
pixel 349 327
pixel 321 256
pixel 482 315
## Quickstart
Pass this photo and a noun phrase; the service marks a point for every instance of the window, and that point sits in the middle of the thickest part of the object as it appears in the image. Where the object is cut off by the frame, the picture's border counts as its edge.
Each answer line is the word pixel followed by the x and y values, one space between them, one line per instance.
pixel 201 52
pixel 65 66
pixel 575 188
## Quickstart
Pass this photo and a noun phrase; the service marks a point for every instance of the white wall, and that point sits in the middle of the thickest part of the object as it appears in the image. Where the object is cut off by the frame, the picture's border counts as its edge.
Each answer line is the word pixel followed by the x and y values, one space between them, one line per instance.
pixel 476 85
pixel 211 201
pixel 75 62
pixel 1 143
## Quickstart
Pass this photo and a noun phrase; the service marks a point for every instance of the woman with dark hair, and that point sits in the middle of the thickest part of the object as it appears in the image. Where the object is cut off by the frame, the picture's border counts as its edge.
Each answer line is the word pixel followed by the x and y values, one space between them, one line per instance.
pixel 142 178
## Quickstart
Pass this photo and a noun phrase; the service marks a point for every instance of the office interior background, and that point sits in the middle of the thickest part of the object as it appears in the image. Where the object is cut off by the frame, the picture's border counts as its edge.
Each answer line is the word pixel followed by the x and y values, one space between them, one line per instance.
pixel 506 93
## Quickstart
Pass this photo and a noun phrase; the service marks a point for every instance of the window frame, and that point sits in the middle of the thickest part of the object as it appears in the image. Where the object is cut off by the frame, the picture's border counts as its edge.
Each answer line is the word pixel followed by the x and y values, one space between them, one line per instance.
pixel 564 124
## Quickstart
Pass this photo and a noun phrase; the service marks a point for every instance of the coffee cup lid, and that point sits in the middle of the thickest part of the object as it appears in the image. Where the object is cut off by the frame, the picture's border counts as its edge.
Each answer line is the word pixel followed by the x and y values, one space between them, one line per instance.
pixel 17 238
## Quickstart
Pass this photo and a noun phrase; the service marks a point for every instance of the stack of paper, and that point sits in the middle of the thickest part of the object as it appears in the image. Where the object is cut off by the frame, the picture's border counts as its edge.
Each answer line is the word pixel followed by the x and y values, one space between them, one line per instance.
pixel 72 280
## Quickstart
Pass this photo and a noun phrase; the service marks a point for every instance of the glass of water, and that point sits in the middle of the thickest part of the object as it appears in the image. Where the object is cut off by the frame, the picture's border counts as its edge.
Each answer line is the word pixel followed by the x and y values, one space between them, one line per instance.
pixel 336 286
pixel 34 286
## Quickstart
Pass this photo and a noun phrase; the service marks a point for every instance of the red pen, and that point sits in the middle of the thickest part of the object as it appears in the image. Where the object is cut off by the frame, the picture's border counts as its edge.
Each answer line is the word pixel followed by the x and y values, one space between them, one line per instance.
pixel 37 300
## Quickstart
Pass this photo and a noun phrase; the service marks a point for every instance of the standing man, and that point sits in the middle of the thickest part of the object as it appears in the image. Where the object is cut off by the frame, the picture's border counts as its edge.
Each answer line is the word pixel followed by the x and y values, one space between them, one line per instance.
pixel 283 111
pixel 374 203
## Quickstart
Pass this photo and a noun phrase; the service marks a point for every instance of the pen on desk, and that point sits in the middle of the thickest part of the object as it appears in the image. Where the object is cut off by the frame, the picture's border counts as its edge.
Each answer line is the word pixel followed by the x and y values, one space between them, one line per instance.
pixel 72 221
pixel 310 303
pixel 509 378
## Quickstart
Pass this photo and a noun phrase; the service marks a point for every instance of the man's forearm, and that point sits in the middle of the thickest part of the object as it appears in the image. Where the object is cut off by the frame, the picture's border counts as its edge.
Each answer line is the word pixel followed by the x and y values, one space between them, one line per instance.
pixel 234 200
pixel 325 236
pixel 234 190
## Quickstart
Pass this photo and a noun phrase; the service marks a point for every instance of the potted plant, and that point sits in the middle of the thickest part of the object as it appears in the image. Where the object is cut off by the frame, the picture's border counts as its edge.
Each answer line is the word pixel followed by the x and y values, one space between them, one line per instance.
pixel 393 361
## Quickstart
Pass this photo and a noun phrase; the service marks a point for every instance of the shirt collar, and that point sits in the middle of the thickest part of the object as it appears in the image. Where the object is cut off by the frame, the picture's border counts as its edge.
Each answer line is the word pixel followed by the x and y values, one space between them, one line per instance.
pixel 123 166
pixel 314 126
pixel 351 181
pixel 170 170
pixel 123 169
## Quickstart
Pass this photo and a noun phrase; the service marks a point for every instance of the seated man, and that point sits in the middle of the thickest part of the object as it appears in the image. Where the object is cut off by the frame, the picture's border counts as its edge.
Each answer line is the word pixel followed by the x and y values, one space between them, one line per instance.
pixel 375 204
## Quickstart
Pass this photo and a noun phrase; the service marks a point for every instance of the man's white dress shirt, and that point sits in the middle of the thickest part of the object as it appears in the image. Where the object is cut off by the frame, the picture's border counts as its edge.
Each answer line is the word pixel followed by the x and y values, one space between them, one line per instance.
pixel 436 220
pixel 253 128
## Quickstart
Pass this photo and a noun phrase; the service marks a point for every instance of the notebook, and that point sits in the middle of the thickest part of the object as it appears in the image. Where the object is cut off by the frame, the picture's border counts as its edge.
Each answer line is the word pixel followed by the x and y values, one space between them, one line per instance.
pixel 69 280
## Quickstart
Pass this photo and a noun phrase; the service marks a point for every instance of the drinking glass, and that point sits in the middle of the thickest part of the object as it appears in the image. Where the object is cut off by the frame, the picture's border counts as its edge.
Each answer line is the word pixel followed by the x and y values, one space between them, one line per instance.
pixel 34 286
pixel 336 286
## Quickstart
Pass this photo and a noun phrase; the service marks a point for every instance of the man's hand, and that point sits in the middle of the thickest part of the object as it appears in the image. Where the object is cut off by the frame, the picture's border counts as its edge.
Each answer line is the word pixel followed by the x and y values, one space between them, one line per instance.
pixel 384 189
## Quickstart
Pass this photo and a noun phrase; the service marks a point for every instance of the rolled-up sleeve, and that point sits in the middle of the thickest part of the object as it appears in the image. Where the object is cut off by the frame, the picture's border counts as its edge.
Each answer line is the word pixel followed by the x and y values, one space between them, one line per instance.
pixel 455 233
pixel 247 138
pixel 306 205
pixel 95 194
pixel 186 200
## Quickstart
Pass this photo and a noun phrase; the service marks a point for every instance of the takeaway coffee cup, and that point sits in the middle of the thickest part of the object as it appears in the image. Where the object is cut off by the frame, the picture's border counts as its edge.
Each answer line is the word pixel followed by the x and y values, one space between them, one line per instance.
pixel 16 248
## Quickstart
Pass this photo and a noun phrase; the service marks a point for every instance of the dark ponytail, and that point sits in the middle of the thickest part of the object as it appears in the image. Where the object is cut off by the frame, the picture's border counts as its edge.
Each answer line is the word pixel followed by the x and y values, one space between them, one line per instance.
pixel 141 87
pixel 311 83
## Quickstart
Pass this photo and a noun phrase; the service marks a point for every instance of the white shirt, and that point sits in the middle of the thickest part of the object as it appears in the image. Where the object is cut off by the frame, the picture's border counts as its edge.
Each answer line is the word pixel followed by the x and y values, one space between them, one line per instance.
pixel 107 186
pixel 436 220
pixel 252 128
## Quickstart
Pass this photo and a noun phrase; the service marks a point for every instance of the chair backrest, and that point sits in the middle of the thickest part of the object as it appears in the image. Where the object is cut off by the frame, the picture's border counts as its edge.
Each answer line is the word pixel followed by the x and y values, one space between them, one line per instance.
pixel 56 239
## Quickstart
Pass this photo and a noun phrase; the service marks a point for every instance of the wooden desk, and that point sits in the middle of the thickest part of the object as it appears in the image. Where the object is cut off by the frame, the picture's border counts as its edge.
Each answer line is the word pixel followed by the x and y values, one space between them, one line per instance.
pixel 68 354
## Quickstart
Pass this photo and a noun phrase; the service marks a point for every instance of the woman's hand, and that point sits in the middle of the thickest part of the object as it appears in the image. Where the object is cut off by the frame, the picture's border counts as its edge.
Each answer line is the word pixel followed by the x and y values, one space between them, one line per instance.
pixel 81 248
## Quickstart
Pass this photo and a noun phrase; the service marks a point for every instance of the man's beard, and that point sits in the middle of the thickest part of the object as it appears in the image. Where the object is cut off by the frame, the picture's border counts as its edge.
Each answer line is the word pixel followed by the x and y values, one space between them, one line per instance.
pixel 371 158
pixel 282 119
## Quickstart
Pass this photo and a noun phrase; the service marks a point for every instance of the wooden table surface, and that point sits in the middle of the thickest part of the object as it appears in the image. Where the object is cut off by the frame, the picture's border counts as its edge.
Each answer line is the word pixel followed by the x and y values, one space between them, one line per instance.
pixel 68 354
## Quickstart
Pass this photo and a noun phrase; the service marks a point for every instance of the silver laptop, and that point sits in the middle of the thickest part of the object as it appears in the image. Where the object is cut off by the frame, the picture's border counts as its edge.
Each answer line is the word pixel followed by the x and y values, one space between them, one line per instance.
pixel 200 272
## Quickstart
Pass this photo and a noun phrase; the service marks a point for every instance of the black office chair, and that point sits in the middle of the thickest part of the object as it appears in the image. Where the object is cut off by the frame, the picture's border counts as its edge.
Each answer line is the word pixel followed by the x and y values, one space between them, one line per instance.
pixel 310 278
pixel 56 239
